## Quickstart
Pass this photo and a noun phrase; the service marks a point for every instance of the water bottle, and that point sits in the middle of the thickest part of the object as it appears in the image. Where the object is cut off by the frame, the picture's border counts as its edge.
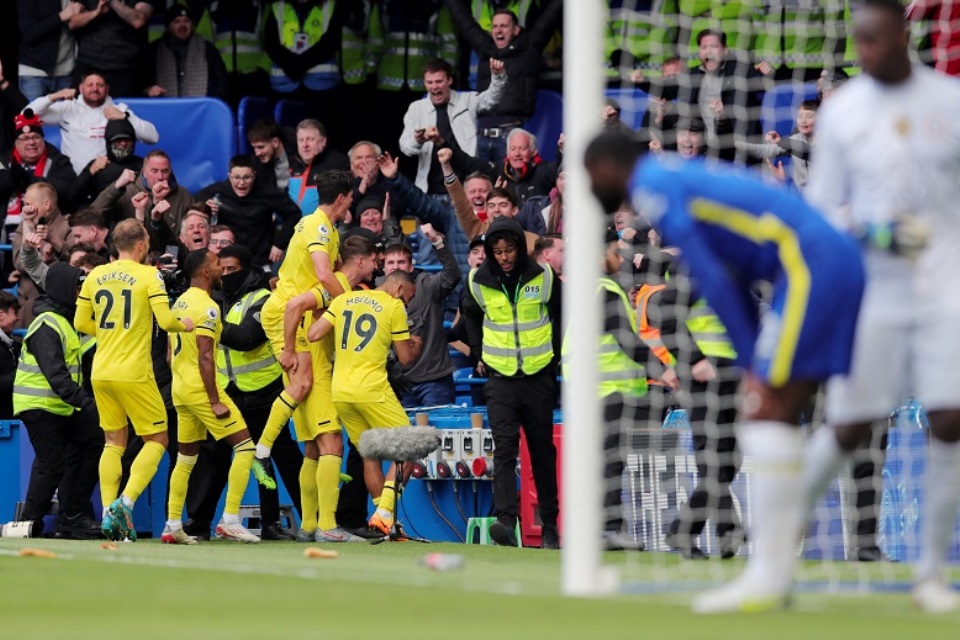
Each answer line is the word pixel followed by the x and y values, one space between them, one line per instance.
pixel 676 419
pixel 909 415
pixel 442 561
pixel 214 216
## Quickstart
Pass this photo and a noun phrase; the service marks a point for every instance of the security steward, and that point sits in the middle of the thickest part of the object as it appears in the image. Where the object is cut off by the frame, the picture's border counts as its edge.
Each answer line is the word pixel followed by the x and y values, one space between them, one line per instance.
pixel 692 338
pixel 624 362
pixel 512 316
pixel 59 414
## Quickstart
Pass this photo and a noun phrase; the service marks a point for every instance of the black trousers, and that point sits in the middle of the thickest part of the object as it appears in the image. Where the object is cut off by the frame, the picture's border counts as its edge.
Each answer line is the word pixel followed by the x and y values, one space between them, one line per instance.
pixel 527 403
pixel 712 414
pixel 868 460
pixel 67 450
pixel 209 477
pixel 352 505
pixel 620 414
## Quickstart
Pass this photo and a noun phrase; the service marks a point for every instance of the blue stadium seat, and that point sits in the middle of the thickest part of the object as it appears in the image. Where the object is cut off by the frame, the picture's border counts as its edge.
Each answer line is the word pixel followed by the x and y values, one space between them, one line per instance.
pixel 289 113
pixel 250 109
pixel 197 133
pixel 779 109
pixel 547 123
pixel 633 105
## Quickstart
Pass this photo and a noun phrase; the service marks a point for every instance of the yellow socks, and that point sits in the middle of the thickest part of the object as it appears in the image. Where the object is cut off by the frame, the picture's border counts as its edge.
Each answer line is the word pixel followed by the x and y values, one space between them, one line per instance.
pixel 308 494
pixel 179 480
pixel 328 490
pixel 239 476
pixel 110 471
pixel 388 499
pixel 283 407
pixel 143 469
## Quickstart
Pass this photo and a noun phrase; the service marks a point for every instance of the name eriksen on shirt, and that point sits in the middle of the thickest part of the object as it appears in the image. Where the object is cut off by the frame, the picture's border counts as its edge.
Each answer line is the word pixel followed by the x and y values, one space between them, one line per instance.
pixel 117 275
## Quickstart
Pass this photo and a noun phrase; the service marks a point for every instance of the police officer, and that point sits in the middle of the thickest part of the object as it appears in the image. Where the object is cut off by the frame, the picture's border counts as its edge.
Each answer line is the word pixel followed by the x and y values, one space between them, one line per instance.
pixel 512 316
pixel 59 415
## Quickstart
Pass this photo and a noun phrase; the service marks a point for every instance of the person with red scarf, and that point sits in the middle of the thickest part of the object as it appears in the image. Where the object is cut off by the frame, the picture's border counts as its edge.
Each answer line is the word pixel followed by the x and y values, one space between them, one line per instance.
pixel 32 160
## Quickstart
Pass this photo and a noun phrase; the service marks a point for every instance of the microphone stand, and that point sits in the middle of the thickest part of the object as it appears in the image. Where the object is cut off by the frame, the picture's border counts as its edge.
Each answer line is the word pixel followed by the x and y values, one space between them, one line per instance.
pixel 396 531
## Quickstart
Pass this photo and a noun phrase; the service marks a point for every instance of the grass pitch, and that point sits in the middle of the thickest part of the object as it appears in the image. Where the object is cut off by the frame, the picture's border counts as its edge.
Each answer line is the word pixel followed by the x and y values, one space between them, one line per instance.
pixel 227 590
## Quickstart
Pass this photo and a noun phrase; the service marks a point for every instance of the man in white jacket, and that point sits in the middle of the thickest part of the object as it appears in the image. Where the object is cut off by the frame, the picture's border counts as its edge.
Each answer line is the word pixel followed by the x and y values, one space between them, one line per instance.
pixel 447 115
pixel 83 119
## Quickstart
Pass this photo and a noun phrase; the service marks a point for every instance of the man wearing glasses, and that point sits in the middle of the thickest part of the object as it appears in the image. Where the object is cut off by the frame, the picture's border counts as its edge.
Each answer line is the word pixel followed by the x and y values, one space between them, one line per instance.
pixel 248 209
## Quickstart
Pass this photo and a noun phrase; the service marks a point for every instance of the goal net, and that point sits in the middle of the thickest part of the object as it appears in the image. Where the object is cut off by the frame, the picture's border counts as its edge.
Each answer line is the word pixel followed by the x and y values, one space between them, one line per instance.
pixel 737 82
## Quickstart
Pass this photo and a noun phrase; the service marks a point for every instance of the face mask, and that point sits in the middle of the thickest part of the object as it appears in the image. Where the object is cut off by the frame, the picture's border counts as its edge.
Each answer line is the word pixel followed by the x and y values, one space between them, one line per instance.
pixel 232 282
pixel 120 153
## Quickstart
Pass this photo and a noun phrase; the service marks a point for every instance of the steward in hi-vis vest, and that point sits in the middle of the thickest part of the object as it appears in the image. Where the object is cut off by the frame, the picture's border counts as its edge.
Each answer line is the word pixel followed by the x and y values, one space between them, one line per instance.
pixel 512 315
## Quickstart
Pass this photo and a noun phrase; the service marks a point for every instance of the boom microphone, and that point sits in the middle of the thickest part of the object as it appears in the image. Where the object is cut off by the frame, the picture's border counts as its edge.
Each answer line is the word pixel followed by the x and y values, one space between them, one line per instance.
pixel 400 443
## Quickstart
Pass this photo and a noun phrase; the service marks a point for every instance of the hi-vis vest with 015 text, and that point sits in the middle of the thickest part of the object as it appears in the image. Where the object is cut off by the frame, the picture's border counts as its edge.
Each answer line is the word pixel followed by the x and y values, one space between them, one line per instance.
pixel 249 370
pixel 702 322
pixel 321 76
pixel 31 390
pixel 517 336
pixel 619 373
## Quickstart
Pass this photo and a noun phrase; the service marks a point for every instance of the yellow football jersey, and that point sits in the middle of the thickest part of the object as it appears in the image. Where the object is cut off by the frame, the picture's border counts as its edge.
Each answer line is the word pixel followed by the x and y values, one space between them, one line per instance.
pixel 313 233
pixel 366 323
pixel 185 357
pixel 116 305
pixel 327 352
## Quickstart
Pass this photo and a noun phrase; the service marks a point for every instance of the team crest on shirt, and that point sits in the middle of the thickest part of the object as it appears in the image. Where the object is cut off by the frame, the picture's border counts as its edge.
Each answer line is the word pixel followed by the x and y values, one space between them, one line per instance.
pixel 212 313
pixel 322 230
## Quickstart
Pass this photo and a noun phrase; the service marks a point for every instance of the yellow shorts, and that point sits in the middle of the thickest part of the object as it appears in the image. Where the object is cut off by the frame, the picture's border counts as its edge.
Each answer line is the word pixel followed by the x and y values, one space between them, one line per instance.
pixel 271 318
pixel 316 414
pixel 196 419
pixel 357 417
pixel 139 403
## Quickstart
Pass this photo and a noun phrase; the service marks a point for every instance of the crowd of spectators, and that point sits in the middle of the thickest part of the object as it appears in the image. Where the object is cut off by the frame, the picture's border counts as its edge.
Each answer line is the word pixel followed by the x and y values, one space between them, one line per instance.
pixel 362 69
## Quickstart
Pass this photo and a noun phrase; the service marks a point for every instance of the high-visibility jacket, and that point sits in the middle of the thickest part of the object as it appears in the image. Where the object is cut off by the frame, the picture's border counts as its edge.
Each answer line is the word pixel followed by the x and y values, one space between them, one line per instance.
pixel 800 33
pixel 702 322
pixel 708 332
pixel 249 370
pixel 733 17
pixel 618 372
pixel 642 34
pixel 398 45
pixel 517 336
pixel 236 36
pixel 651 335
pixel 353 46
pixel 31 390
pixel 323 75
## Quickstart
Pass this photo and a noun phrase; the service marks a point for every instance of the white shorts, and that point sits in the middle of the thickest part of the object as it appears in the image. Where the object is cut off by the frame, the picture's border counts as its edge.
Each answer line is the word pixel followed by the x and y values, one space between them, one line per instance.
pixel 903 347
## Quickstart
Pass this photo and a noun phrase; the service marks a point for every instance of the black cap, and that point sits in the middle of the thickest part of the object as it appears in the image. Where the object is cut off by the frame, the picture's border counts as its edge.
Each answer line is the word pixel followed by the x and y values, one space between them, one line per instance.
pixel 370 202
pixel 175 12
pixel 478 239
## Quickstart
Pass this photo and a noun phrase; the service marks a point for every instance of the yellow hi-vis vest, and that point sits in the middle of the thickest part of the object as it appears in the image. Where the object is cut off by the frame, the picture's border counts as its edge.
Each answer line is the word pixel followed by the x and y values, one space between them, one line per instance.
pixel 618 372
pixel 709 333
pixel 517 336
pixel 321 76
pixel 249 370
pixel 31 390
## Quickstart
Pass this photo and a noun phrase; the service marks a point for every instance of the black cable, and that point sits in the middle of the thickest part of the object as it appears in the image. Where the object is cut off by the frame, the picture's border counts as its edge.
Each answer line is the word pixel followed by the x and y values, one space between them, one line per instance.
pixel 433 502
pixel 456 498
pixel 406 517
